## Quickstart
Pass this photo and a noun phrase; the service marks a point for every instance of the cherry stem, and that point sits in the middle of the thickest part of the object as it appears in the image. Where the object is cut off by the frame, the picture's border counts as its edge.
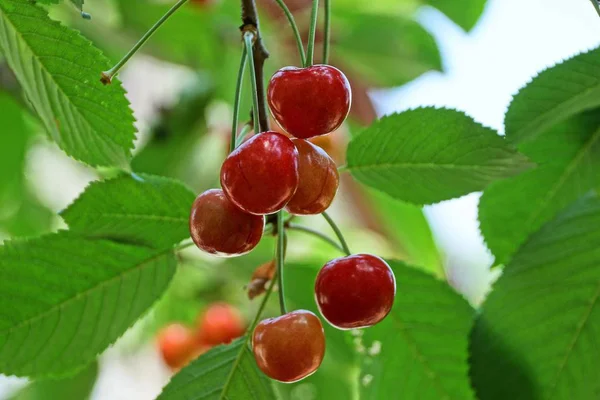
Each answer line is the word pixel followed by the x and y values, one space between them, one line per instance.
pixel 310 52
pixel 342 168
pixel 318 234
pixel 327 30
pixel 338 233
pixel 240 138
pixel 280 260
pixel 248 39
pixel 238 98
pixel 108 75
pixel 250 22
pixel 248 336
pixel 596 6
pixel 290 18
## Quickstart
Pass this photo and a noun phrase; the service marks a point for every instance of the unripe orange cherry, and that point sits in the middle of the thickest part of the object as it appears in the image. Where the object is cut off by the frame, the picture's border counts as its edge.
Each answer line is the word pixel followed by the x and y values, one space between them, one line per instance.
pixel 177 344
pixel 218 227
pixel 220 324
pixel 261 175
pixel 318 183
pixel 290 347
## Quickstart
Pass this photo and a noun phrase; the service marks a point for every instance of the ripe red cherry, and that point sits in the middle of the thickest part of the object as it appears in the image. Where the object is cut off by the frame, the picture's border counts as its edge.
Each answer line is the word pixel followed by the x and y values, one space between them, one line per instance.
pixel 176 344
pixel 290 347
pixel 220 324
pixel 318 183
pixel 355 291
pixel 219 227
pixel 311 101
pixel 261 175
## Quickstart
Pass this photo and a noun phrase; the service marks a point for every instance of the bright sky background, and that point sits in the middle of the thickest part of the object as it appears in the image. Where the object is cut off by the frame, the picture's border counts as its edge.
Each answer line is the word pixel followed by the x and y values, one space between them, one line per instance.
pixel 513 41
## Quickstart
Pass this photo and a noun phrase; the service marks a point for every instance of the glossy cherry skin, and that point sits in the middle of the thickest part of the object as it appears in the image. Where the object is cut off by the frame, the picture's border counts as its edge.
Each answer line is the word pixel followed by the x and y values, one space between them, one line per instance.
pixel 318 183
pixel 355 291
pixel 218 227
pixel 290 347
pixel 311 101
pixel 261 175
pixel 220 324
pixel 177 344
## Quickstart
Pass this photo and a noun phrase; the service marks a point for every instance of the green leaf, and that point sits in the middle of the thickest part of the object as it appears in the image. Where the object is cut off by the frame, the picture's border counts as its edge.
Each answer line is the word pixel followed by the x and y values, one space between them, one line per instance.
pixel 408 228
pixel 555 95
pixel 421 348
pixel 464 13
pixel 225 372
pixel 140 209
pixel 427 155
pixel 77 387
pixel 568 159
pixel 536 336
pixel 64 299
pixel 13 145
pixel 383 49
pixel 59 71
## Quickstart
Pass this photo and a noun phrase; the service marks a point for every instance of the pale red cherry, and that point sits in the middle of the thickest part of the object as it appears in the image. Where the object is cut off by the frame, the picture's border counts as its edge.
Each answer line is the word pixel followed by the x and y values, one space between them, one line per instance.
pixel 290 347
pixel 318 183
pixel 218 227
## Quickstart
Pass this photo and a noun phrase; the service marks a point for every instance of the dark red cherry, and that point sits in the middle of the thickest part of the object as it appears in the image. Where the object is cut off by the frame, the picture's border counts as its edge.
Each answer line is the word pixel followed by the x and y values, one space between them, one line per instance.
pixel 319 180
pixel 261 175
pixel 311 101
pixel 290 347
pixel 219 227
pixel 355 291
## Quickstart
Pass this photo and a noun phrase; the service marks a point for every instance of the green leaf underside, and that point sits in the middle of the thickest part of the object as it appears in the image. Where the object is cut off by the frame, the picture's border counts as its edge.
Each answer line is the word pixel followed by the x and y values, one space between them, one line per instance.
pixel 385 50
pixel 64 299
pixel 143 209
pixel 77 387
pixel 422 345
pixel 555 95
pixel 225 372
pixel 464 13
pixel 537 335
pixel 427 155
pixel 59 71
pixel 568 158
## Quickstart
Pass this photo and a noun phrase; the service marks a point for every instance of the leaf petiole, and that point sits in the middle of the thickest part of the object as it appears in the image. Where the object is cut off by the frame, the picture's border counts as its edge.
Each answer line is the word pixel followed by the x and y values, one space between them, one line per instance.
pixel 107 76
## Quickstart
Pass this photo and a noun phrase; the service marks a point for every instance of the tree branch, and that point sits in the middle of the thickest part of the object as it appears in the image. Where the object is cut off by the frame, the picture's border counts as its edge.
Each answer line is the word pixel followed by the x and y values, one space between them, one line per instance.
pixel 250 22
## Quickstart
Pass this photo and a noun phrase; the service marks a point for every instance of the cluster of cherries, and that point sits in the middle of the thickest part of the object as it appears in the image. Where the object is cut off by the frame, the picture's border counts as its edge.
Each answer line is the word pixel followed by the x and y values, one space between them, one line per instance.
pixel 219 324
pixel 271 171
